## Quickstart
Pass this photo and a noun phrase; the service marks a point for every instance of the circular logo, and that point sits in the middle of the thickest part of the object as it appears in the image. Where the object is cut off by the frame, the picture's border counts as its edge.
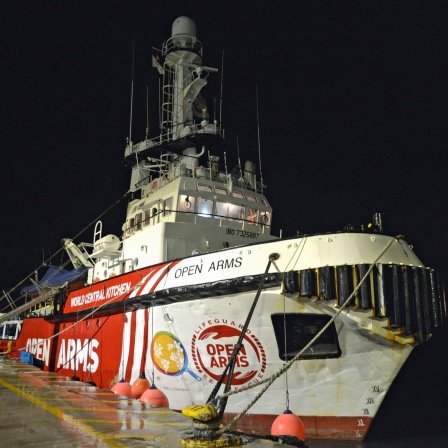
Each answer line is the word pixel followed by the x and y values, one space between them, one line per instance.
pixel 213 346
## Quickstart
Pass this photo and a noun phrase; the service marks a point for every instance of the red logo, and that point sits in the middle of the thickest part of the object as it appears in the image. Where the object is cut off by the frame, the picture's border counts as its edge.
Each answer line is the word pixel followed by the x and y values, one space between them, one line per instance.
pixel 212 346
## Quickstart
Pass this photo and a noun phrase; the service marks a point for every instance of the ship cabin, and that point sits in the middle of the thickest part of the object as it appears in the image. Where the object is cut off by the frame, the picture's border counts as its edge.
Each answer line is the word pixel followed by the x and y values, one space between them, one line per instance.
pixel 180 209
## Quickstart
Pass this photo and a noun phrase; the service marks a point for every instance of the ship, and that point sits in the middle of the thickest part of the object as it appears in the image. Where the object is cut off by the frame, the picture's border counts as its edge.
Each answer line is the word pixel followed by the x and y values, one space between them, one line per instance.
pixel 200 296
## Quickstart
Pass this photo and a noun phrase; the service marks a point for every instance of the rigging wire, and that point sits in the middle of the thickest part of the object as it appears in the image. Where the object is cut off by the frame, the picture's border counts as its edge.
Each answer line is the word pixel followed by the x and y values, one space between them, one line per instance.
pixel 285 341
pixel 239 159
pixel 45 262
pixel 222 81
pixel 259 143
pixel 152 339
pixel 132 90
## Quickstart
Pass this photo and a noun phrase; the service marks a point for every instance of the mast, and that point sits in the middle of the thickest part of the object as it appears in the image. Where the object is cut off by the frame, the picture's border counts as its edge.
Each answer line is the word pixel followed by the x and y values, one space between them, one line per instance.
pixel 184 115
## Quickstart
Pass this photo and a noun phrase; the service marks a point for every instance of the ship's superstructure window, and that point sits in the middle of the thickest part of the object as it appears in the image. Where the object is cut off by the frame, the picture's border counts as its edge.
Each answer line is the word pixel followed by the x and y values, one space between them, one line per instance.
pixel 293 331
pixel 238 194
pixel 222 191
pixel 167 206
pixel 222 210
pixel 138 221
pixel 252 216
pixel 236 212
pixel 186 203
pixel 147 218
pixel 202 187
pixel 265 218
pixel 205 207
pixel 251 198
pixel 131 226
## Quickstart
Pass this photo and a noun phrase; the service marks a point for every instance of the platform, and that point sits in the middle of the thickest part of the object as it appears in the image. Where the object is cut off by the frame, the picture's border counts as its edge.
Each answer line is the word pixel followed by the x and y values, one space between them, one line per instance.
pixel 46 409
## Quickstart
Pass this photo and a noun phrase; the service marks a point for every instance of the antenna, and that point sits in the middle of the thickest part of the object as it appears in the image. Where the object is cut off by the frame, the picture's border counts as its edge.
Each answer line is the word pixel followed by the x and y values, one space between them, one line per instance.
pixel 132 93
pixel 147 112
pixel 239 160
pixel 160 110
pixel 259 148
pixel 220 100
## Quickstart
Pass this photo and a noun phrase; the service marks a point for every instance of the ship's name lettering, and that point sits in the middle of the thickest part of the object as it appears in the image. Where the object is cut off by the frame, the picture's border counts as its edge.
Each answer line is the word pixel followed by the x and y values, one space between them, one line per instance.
pixel 188 270
pixel 102 294
pixel 82 353
pixel 221 354
pixel 194 269
pixel 40 348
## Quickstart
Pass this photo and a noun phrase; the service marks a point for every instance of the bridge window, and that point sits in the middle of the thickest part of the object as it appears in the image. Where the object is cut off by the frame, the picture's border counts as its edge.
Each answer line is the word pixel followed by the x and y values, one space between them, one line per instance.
pixel 138 221
pixel 222 191
pixel 265 218
pixel 147 217
pixel 236 212
pixel 252 216
pixel 131 226
pixel 167 206
pixel 204 188
pixel 186 203
pixel 205 207
pixel 222 210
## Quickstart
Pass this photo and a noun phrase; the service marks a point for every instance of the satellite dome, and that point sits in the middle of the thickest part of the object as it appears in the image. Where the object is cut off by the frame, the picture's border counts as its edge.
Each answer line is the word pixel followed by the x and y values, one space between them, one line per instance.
pixel 183 25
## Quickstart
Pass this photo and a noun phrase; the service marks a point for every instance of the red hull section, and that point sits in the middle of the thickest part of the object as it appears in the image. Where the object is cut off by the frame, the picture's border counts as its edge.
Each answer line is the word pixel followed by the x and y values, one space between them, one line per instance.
pixel 87 350
pixel 342 428
pixel 115 289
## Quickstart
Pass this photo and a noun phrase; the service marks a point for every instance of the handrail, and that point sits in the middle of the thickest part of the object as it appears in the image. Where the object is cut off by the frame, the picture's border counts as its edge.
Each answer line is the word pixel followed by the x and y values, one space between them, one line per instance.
pixel 26 306
pixel 217 176
pixel 186 42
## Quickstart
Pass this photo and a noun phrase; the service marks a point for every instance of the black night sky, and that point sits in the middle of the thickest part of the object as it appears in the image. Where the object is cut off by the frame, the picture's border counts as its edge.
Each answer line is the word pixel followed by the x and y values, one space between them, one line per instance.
pixel 353 113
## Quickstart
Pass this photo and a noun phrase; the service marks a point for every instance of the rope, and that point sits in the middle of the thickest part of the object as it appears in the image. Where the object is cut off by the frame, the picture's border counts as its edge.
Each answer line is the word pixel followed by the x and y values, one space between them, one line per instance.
pixel 288 365
pixel 231 364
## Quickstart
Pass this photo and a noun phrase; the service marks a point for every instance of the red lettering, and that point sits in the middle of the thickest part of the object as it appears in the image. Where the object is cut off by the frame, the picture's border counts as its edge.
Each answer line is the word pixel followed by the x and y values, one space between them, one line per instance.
pixel 214 362
pixel 211 350
pixel 241 361
pixel 220 348
pixel 222 361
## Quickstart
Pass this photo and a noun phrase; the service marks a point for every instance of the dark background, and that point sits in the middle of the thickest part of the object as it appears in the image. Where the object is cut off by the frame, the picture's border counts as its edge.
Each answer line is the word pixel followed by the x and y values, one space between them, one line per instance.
pixel 352 118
